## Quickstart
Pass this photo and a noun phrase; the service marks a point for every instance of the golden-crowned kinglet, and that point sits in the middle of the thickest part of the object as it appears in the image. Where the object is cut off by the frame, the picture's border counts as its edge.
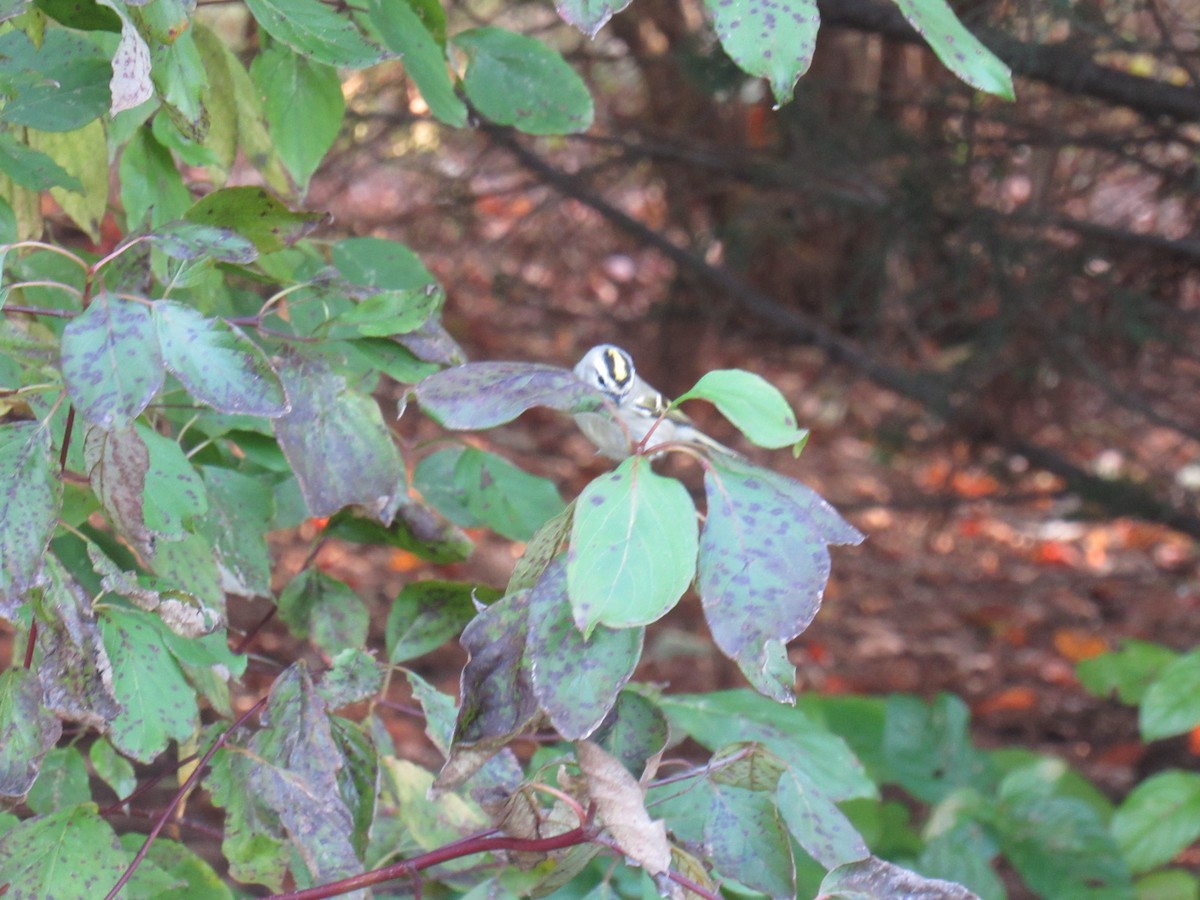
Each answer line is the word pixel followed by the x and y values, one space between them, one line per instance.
pixel 636 408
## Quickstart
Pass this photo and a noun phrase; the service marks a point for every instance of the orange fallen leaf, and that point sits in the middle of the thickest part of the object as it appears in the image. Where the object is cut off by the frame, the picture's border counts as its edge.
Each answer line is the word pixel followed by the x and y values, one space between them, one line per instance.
pixel 403 561
pixel 1077 644
pixel 1056 553
pixel 1013 699
pixel 974 485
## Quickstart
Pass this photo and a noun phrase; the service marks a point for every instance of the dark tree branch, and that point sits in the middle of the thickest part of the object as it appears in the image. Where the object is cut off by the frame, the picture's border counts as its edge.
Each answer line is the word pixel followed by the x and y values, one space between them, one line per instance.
pixel 1118 497
pixel 1058 65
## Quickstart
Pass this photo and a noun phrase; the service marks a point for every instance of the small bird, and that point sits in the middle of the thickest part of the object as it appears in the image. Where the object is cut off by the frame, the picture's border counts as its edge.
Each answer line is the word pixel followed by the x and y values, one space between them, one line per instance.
pixel 636 408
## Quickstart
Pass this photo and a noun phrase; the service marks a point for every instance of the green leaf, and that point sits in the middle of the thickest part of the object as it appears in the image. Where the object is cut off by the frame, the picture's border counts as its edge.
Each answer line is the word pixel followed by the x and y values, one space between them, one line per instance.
pixel 254 213
pixel 75 151
pixel 28 731
pixel 1159 818
pixel 404 33
pixel 390 358
pixel 181 81
pixel 152 189
pixel 633 548
pixel 189 565
pixel 415 529
pixel 515 80
pixel 1127 672
pixel 772 40
pixel 313 29
pixel 1172 703
pixel 33 169
pixel 1168 884
pixel 589 16
pixel 380 263
pixel 289 81
pixel 425 615
pixel 928 748
pixel 325 610
pixel 749 841
pixel 189 241
pixel 183 865
pixel 388 313
pixel 337 444
pixel 111 361
pixel 358 776
pixel 175 494
pixel 217 364
pixel 254 839
pixel 487 394
pixel 239 518
pixel 112 768
pixel 541 549
pixel 60 85
pixel 63 782
pixel 86 15
pixel 751 403
pixel 64 854
pixel 472 487
pixel 816 823
pixel 158 705
pixel 957 48
pixel 719 718
pixel 763 566
pixel 30 498
pixel 575 679
pixel 635 731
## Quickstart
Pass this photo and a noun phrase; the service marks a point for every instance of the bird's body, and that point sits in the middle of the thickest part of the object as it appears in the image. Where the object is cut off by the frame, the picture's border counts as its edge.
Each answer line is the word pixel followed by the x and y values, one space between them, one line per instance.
pixel 636 408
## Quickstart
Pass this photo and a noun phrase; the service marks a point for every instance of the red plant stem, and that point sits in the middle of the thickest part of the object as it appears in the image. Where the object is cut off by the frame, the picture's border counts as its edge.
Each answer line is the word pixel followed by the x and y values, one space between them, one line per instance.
pixel 457 850
pixel 29 644
pixel 66 441
pixel 179 795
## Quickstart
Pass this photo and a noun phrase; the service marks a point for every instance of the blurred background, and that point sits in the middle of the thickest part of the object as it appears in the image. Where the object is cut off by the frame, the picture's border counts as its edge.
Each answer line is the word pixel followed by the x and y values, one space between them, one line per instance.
pixel 986 312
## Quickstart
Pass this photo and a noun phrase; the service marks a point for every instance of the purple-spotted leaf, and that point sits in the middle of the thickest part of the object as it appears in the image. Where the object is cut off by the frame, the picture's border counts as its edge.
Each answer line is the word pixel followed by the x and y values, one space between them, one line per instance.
pixel 176 494
pixel 763 566
pixel 298 761
pixel 773 39
pixel 324 610
pixel 191 240
pixel 30 498
pixel 957 48
pixel 218 365
pixel 487 394
pixel 519 81
pixel 749 841
pixel 635 732
pixel 157 703
pixel 498 700
pixel 130 84
pixel 27 731
pixel 874 879
pixel 589 16
pixel 425 615
pixel 111 361
pixel 633 547
pixel 337 444
pixel 75 670
pixel 254 213
pixel 816 823
pixel 751 403
pixel 66 853
pixel 576 680
pixel 117 462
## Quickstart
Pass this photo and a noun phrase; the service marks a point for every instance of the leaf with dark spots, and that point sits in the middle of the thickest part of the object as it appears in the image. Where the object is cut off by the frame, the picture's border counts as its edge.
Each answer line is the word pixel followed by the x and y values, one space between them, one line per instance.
pixel 218 364
pixel 875 879
pixel 27 732
pixel 117 462
pixel 75 669
pixel 576 680
pixel 192 240
pixel 956 47
pixel 773 39
pixel 111 361
pixel 337 444
pixel 763 566
pixel 487 394
pixel 30 498
pixel 256 214
pixel 498 700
